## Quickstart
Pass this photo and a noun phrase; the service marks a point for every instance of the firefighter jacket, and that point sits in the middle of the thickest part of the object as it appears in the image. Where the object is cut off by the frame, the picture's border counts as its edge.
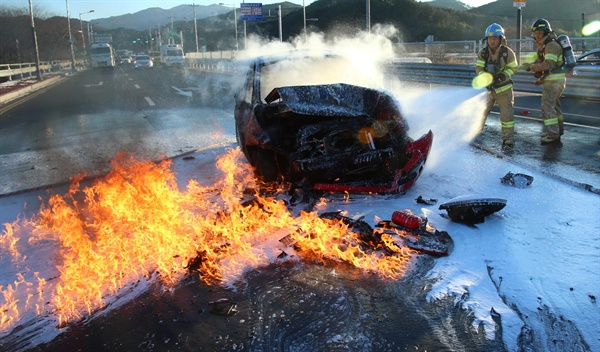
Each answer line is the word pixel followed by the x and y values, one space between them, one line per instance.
pixel 502 65
pixel 548 60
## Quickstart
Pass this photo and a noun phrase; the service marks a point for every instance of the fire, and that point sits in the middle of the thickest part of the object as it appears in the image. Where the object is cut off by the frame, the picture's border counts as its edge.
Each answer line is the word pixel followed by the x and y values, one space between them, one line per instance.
pixel 135 226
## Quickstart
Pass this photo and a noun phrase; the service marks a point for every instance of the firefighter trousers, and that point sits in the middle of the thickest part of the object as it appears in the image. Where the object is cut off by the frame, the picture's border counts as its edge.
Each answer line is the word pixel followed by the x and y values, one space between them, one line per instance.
pixel 551 109
pixel 506 103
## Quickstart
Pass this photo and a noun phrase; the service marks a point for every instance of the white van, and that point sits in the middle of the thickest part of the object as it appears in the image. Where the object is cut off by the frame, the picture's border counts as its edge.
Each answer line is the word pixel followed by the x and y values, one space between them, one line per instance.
pixel 172 55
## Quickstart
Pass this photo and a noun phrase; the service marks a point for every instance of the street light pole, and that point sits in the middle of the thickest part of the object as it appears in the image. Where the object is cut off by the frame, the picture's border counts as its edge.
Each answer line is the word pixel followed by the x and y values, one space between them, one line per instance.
pixel 35 44
pixel 195 25
pixel 368 16
pixel 245 35
pixel 237 46
pixel 280 26
pixel 82 35
pixel 70 38
pixel 304 11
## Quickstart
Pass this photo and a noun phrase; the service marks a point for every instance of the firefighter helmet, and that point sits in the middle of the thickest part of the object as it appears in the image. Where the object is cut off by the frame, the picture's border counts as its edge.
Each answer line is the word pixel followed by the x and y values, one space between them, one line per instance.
pixel 541 25
pixel 494 30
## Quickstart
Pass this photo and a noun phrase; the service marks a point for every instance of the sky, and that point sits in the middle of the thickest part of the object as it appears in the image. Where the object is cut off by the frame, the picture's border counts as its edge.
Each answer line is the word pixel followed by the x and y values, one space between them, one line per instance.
pixel 109 8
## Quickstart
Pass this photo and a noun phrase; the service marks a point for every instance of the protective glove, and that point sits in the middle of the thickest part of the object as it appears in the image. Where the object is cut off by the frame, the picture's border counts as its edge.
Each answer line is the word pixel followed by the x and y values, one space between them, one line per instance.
pixel 537 67
pixel 500 77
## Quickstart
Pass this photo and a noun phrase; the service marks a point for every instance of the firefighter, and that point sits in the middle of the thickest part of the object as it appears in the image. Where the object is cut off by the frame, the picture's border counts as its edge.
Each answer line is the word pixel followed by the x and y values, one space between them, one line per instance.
pixel 497 59
pixel 547 69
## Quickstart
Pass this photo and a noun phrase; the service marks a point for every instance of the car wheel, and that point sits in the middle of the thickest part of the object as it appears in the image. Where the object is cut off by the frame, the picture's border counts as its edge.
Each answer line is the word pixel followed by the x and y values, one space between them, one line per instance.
pixel 265 164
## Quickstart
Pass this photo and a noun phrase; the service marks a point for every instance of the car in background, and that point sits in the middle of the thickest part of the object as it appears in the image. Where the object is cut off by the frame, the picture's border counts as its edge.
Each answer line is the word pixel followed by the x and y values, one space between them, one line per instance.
pixel 125 60
pixel 293 125
pixel 143 61
pixel 590 58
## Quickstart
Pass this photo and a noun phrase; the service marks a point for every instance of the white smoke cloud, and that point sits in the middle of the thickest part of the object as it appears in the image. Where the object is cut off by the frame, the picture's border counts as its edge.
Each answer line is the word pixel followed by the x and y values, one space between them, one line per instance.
pixel 454 114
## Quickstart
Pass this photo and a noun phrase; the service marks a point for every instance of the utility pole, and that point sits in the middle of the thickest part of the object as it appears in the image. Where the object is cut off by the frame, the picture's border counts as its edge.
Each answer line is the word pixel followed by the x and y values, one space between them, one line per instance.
pixel 159 37
pixel 35 44
pixel 245 35
pixel 519 24
pixel 304 15
pixel 368 16
pixel 280 26
pixel 195 25
pixel 82 35
pixel 70 38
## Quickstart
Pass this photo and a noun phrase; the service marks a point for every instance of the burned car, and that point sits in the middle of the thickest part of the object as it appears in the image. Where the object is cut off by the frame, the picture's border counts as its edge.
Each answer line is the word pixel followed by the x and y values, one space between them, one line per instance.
pixel 319 128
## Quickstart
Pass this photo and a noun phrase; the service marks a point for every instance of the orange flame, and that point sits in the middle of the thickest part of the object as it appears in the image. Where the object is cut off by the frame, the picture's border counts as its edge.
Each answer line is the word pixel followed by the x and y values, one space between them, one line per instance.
pixel 135 225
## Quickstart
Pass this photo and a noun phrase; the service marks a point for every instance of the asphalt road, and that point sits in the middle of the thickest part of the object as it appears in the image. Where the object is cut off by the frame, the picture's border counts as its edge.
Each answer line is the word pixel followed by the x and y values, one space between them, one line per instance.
pixel 584 112
pixel 80 124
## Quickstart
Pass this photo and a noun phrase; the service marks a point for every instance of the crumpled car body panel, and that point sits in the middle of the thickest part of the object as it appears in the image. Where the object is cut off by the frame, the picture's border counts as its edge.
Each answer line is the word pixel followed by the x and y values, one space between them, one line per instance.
pixel 334 137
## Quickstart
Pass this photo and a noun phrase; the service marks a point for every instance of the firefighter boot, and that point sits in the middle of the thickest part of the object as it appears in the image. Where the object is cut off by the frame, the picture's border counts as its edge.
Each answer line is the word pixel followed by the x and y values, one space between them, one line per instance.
pixel 552 135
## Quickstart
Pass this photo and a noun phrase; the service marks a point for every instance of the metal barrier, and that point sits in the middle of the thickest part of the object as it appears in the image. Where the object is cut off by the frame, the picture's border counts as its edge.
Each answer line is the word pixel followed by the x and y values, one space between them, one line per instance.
pixel 584 83
pixel 29 69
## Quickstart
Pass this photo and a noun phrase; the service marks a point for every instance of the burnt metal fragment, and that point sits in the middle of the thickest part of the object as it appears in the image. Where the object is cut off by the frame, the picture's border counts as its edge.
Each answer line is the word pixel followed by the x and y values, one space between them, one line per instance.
pixel 472 210
pixel 223 306
pixel 421 200
pixel 517 180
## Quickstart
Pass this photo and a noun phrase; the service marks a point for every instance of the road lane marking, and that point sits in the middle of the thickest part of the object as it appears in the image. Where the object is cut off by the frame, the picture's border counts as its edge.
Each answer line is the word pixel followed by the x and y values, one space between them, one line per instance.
pixel 136 86
pixel 149 101
pixel 93 85
pixel 181 92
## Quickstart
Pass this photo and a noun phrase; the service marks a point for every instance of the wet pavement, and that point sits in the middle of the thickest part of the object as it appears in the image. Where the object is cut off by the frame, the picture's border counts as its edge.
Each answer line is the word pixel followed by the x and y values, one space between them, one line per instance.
pixel 298 306
pixel 285 306
pixel 576 160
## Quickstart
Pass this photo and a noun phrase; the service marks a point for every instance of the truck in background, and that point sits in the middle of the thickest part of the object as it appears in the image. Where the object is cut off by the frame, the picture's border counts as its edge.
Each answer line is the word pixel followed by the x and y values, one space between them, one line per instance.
pixel 171 55
pixel 102 55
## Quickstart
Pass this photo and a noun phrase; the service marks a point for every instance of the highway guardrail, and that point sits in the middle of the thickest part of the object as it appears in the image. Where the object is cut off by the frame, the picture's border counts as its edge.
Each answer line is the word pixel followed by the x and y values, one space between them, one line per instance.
pixel 584 83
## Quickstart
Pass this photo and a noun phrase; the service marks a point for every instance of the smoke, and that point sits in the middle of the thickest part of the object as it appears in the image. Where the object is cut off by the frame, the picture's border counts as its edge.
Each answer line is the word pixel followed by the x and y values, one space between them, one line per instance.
pixel 359 61
pixel 454 114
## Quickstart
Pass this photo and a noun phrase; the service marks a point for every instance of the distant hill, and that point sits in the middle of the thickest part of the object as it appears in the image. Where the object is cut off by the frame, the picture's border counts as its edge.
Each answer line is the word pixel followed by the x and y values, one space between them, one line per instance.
pixel 155 16
pixel 564 16
pixel 449 4
pixel 414 20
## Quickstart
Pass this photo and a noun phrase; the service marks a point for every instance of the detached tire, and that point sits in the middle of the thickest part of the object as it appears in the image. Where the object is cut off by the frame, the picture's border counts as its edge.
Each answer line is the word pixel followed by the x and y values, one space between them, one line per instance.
pixel 265 164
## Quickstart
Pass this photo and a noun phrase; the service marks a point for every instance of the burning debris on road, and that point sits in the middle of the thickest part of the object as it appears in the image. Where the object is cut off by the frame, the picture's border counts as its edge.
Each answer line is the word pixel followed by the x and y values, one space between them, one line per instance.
pixel 135 226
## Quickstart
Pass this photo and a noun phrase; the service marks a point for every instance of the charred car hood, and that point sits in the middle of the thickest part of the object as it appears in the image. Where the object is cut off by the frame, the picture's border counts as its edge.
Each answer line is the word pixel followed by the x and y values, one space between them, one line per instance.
pixel 326 100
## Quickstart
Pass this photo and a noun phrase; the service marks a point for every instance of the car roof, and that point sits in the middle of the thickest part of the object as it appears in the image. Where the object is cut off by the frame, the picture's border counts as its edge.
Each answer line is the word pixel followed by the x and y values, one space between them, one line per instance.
pixel 589 52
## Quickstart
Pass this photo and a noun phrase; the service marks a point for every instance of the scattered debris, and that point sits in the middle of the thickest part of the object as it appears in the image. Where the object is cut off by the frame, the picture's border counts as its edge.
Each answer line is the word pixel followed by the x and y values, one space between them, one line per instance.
pixel 414 232
pixel 223 306
pixel 391 237
pixel 430 201
pixel 517 180
pixel 288 240
pixel 472 210
pixel 408 220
